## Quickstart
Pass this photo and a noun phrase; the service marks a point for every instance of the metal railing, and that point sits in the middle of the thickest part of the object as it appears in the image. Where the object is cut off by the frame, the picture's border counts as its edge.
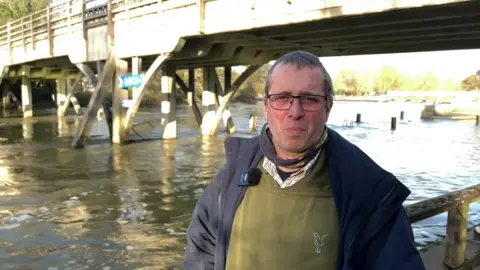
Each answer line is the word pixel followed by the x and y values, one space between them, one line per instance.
pixel 456 204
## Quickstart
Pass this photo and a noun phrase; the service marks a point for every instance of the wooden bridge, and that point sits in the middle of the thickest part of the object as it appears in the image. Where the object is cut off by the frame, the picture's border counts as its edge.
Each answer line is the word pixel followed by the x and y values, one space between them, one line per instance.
pixel 105 40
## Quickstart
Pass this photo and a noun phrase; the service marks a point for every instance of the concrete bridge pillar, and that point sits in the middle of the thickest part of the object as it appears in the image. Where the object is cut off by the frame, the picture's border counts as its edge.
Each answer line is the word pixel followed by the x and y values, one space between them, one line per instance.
pixel 27 97
pixel 119 109
pixel 169 118
pixel 208 100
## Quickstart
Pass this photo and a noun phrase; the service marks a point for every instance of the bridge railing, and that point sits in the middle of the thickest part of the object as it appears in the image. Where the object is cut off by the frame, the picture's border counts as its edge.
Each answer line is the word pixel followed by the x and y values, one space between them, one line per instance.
pixel 456 204
pixel 68 16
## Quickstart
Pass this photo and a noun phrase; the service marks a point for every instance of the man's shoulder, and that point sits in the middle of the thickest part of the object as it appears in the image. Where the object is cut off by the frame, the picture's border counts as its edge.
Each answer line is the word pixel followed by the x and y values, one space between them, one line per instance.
pixel 235 147
pixel 354 167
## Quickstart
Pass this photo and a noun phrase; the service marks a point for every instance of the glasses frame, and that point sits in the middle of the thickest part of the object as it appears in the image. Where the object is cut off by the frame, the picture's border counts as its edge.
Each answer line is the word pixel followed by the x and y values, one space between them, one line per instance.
pixel 293 99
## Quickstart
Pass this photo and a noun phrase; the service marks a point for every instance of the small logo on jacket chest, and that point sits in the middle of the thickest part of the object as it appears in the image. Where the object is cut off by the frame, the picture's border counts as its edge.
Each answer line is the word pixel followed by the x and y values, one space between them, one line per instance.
pixel 318 241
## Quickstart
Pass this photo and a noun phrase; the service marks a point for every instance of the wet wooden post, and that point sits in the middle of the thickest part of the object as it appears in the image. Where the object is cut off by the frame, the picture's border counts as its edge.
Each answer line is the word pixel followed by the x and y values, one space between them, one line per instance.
pixel 359 118
pixel 169 118
pixel 119 112
pixel 402 114
pixel 477 120
pixel 456 238
pixel 227 115
pixel 208 100
pixel 393 124
pixel 190 91
pixel 61 96
pixel 252 123
pixel 27 97
pixel 191 88
pixel 5 97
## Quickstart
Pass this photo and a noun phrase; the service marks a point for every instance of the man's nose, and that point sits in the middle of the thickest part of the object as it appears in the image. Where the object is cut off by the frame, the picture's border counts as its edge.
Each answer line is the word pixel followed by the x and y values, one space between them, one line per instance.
pixel 296 110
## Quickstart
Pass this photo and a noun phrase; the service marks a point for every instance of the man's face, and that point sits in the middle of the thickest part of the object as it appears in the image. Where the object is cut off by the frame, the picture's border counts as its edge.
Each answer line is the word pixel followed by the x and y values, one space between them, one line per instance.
pixel 295 130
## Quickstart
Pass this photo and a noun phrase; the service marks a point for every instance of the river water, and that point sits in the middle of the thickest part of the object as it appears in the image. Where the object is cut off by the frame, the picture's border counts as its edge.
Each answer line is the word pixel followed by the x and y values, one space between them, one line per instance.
pixel 128 207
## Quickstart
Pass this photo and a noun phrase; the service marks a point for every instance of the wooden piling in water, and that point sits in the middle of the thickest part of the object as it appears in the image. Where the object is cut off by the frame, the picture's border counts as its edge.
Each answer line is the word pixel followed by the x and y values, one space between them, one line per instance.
pixel 359 118
pixel 393 124
pixel 477 120
pixel 253 123
pixel 402 114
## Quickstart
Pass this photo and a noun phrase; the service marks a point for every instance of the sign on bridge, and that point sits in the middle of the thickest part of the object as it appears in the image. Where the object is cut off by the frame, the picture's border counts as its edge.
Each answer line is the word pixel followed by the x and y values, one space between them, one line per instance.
pixel 130 81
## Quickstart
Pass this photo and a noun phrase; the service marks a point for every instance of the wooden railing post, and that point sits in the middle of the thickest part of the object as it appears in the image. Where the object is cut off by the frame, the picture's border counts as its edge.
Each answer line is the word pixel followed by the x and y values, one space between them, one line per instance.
pixel 49 32
pixel 69 13
pixel 31 32
pixel 84 28
pixel 9 42
pixel 23 34
pixel 456 237
pixel 111 37
pixel 201 10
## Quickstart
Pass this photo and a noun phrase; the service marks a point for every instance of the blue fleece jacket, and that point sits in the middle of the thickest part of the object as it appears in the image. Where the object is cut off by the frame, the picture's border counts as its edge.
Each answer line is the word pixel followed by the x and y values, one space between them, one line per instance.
pixel 374 231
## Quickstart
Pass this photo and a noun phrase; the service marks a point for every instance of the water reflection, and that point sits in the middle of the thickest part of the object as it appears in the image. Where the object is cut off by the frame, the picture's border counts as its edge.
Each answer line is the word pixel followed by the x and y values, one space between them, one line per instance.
pixel 27 126
pixel 129 206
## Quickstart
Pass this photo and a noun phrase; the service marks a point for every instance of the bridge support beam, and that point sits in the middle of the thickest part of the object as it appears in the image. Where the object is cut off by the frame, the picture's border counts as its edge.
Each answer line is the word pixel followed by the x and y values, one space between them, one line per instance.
pixel 238 82
pixel 190 91
pixel 27 97
pixel 119 111
pixel 103 83
pixel 149 75
pixel 65 95
pixel 227 115
pixel 208 100
pixel 169 118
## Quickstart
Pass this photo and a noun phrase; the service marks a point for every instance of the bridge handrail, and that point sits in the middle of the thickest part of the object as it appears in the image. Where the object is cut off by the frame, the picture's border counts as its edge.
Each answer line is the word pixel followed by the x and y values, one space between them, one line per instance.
pixel 62 17
pixel 456 204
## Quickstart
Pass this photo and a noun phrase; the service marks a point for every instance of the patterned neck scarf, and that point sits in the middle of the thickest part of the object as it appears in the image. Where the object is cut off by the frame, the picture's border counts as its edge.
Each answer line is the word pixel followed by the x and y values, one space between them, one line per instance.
pixel 268 150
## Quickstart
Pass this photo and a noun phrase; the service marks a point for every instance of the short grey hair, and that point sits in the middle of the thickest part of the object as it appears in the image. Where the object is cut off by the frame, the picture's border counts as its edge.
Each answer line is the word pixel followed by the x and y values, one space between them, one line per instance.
pixel 302 59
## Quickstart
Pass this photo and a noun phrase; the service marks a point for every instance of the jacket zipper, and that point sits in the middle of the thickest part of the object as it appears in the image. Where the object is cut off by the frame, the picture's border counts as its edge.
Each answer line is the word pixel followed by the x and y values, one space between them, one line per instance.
pixel 376 206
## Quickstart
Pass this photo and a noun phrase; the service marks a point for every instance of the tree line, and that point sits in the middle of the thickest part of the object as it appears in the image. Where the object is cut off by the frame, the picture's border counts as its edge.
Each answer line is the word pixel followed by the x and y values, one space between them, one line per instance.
pixel 15 9
pixel 361 83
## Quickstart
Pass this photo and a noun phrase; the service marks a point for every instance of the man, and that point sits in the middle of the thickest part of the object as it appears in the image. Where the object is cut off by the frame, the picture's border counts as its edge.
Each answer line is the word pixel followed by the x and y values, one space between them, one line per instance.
pixel 300 196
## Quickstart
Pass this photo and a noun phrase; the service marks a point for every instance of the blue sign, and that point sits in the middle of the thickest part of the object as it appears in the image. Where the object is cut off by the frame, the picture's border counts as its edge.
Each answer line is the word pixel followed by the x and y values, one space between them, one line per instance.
pixel 130 81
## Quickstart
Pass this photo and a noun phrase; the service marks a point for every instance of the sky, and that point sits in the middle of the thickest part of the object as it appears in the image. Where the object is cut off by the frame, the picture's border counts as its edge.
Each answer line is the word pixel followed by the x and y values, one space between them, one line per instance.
pixel 457 64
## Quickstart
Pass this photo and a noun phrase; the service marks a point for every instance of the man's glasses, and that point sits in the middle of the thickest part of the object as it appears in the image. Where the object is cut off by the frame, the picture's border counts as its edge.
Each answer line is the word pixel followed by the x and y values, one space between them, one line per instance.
pixel 308 102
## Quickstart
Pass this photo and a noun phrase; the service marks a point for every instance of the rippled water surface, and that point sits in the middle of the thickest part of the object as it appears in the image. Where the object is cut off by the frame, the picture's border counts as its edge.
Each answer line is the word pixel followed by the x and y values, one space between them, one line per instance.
pixel 128 207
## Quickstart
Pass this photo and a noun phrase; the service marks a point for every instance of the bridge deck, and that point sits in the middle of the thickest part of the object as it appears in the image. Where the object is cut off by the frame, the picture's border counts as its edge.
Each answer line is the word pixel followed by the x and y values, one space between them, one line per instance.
pixel 232 32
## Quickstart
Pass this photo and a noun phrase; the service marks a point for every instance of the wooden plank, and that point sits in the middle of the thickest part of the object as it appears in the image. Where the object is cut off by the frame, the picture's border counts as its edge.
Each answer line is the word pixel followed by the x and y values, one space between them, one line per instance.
pixel 141 4
pixel 435 206
pixel 168 5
